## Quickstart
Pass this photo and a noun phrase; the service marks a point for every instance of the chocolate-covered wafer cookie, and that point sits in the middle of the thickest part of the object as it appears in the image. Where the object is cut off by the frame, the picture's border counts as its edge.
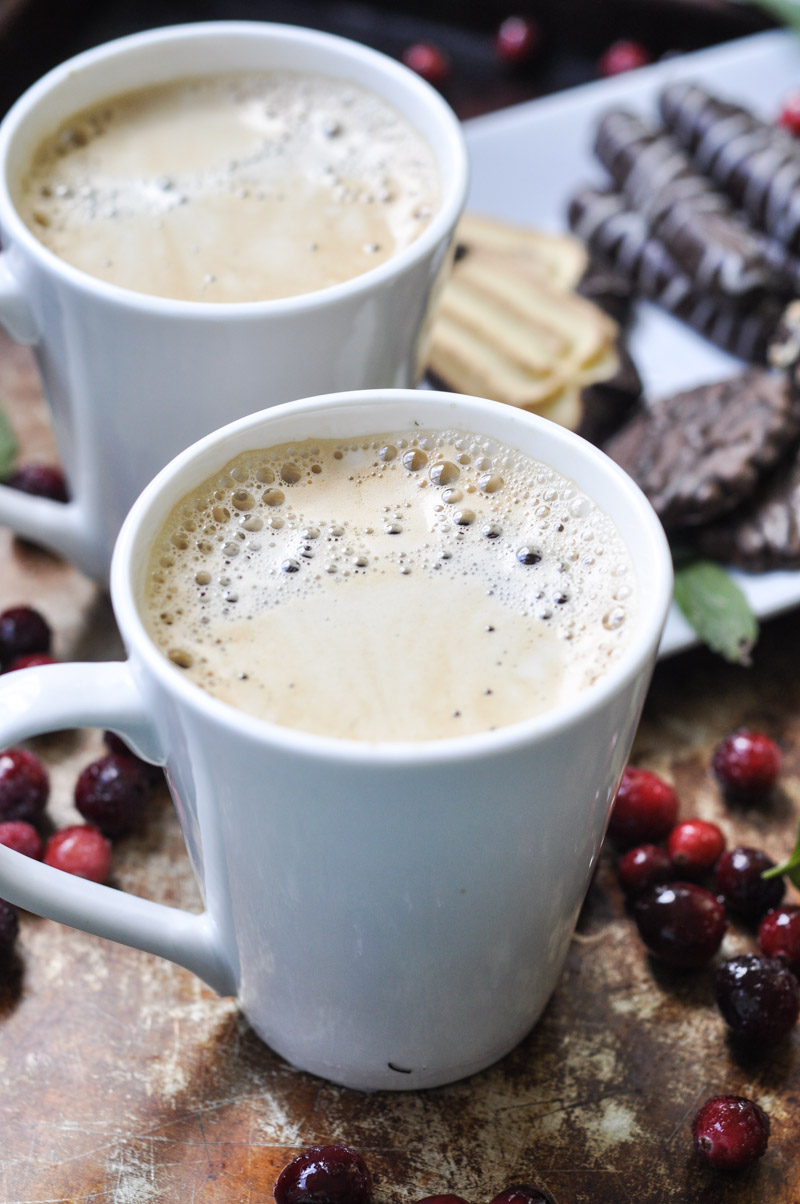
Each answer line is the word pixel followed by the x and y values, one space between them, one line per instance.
pixel 700 453
pixel 619 235
pixel 764 533
pixel 683 209
pixel 755 162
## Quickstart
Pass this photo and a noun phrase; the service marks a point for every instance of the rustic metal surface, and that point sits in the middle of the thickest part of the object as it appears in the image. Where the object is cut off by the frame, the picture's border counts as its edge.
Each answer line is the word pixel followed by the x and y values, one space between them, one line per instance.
pixel 123 1080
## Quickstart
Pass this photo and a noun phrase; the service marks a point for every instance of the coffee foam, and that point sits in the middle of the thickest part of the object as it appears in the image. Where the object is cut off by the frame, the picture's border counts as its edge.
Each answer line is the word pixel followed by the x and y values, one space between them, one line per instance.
pixel 403 587
pixel 234 187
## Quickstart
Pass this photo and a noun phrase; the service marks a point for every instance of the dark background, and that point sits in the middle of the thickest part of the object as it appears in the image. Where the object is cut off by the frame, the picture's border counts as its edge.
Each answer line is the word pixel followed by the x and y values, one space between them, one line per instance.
pixel 37 34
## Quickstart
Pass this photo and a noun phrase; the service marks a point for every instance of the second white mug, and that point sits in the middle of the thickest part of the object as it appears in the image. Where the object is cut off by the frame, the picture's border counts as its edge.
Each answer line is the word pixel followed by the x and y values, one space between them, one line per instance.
pixel 133 379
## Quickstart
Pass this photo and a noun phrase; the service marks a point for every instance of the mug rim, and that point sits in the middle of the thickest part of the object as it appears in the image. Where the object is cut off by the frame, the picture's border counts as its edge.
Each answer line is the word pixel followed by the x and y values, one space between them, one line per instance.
pixel 453 182
pixel 201 459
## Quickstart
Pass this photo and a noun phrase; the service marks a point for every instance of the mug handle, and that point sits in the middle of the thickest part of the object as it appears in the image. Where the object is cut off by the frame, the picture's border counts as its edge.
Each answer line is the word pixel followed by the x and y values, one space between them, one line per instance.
pixel 50 698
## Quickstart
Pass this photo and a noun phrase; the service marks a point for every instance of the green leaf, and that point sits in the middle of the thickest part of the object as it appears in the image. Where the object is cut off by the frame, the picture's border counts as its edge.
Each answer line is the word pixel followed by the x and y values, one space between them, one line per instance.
pixel 790 867
pixel 716 609
pixel 787 11
pixel 8 447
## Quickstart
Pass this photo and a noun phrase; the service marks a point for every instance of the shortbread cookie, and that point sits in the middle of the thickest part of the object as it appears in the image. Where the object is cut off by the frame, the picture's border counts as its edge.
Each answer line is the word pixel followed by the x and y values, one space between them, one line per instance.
pixel 700 453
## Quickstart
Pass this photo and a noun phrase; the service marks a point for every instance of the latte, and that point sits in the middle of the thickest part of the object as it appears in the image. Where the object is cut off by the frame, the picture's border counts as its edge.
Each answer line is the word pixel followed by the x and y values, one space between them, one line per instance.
pixel 239 187
pixel 406 586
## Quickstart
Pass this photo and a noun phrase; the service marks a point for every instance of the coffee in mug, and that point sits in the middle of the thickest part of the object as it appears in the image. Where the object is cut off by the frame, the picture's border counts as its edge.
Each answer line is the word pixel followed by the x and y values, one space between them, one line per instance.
pixel 410 585
pixel 232 187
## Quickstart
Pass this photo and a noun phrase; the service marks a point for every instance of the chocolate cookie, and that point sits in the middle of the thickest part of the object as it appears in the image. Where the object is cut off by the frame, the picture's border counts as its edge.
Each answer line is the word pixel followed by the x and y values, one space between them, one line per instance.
pixel 764 533
pixel 700 453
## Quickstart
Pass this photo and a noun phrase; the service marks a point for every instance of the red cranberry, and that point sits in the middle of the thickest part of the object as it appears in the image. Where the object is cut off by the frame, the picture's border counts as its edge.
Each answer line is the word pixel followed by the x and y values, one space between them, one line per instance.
pixel 746 764
pixel 645 809
pixel 730 1132
pixel 680 922
pixel 331 1174
pixel 80 850
pixel 41 480
pixel 740 884
pixel 111 793
pixel 623 56
pixel 23 630
pixel 759 998
pixel 24 785
pixel 30 659
pixel 428 61
pixel 643 866
pixel 116 744
pixel 779 935
pixel 517 40
pixel 695 846
pixel 525 1193
pixel 9 927
pixel 16 834
pixel 789 116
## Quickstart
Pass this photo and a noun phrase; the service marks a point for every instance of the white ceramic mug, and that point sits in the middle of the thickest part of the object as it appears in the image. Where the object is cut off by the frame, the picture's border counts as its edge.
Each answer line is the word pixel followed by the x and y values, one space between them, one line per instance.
pixel 389 915
pixel 131 379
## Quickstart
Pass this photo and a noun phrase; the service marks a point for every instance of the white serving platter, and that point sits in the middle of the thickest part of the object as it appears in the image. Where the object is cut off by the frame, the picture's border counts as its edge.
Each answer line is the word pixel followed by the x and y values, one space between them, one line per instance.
pixel 528 160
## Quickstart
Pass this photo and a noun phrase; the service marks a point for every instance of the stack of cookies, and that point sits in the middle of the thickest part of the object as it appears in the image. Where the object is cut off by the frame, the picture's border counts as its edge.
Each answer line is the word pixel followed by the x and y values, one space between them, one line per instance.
pixel 513 326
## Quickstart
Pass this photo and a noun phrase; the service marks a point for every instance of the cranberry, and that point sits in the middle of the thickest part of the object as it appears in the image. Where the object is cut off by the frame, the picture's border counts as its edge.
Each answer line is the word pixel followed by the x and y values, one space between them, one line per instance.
pixel 730 1132
pixel 623 56
pixel 680 922
pixel 695 846
pixel 24 785
pixel 116 744
pixel 524 1194
pixel 643 866
pixel 746 764
pixel 645 809
pixel 23 630
pixel 789 116
pixel 81 850
pixel 428 61
pixel 779 935
pixel 740 884
pixel 759 998
pixel 29 660
pixel 331 1174
pixel 16 834
pixel 111 793
pixel 41 480
pixel 517 40
pixel 9 927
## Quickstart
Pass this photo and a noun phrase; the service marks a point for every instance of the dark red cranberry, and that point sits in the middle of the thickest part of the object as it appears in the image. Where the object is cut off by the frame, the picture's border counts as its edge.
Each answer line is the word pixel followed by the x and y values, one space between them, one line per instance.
pixel 643 866
pixel 645 809
pixel 759 998
pixel 111 793
pixel 789 116
pixel 330 1174
pixel 623 56
pixel 41 480
pixel 739 882
pixel 730 1132
pixel 517 40
pixel 680 922
pixel 30 659
pixel 116 744
pixel 9 927
pixel 428 61
pixel 779 935
pixel 24 785
pixel 23 630
pixel 16 834
pixel 525 1193
pixel 444 1199
pixel 695 846
pixel 81 850
pixel 746 764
